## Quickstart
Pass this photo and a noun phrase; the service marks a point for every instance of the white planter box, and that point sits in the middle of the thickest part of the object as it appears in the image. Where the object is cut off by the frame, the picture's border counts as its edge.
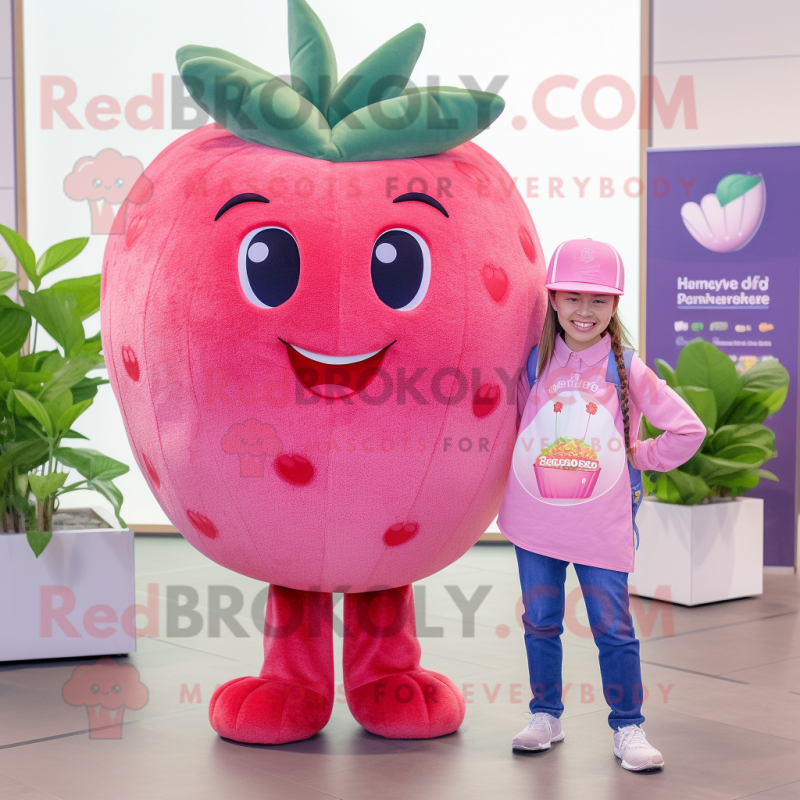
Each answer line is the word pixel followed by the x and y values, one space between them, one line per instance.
pixel 699 554
pixel 73 599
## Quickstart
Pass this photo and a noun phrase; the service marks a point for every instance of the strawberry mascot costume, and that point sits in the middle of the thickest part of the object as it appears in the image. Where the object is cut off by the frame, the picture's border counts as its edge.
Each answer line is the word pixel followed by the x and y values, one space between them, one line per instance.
pixel 314 314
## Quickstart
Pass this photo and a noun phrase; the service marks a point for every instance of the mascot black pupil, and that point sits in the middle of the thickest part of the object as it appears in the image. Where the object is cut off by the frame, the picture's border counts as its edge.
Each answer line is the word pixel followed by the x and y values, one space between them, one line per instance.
pixel 397 268
pixel 273 266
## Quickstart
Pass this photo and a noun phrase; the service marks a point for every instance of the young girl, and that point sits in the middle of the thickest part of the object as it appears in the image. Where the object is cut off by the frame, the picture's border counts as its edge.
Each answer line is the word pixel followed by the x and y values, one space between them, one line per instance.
pixel 569 496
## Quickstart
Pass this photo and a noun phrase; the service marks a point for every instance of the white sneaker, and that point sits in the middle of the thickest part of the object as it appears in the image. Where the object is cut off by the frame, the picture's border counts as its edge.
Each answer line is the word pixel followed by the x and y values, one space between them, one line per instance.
pixel 636 753
pixel 542 729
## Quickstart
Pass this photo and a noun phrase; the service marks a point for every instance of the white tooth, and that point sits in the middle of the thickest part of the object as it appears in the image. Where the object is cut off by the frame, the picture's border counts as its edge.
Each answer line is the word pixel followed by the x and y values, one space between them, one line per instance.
pixel 335 359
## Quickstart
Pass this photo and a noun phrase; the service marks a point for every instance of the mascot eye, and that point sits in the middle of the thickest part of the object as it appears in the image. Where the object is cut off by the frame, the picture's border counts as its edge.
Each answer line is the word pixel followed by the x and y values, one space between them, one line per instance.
pixel 269 266
pixel 401 268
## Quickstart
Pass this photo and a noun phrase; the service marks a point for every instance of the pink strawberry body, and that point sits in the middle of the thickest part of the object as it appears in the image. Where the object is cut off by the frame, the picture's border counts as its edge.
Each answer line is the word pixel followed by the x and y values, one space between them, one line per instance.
pixel 392 468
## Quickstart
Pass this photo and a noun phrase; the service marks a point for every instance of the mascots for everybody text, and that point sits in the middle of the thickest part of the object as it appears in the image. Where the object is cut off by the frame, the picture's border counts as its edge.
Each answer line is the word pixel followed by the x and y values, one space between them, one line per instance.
pixel 314 315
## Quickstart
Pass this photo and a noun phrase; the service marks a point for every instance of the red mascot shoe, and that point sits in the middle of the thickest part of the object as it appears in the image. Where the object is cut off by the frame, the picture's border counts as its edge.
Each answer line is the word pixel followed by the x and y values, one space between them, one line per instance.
pixel 387 690
pixel 292 699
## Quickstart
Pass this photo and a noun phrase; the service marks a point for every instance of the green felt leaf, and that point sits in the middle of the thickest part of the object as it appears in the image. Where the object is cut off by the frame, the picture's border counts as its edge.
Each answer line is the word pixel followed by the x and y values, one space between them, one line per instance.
pixel 419 122
pixel 259 107
pixel 381 75
pixel 311 57
pixel 733 186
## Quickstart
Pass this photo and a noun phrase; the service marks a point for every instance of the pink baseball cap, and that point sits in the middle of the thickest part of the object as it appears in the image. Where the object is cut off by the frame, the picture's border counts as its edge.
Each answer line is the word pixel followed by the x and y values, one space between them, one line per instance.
pixel 586 265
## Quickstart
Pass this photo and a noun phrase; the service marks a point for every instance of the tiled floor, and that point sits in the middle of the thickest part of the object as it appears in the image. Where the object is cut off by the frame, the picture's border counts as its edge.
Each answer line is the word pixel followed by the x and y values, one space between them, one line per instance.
pixel 723 706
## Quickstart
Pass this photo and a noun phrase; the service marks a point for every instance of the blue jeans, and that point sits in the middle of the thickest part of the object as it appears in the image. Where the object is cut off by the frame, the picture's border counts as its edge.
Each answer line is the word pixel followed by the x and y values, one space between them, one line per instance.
pixel 605 592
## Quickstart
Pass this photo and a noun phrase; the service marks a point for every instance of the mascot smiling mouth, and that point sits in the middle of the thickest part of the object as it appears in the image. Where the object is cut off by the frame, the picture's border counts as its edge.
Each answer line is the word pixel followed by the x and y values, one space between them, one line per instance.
pixel 334 377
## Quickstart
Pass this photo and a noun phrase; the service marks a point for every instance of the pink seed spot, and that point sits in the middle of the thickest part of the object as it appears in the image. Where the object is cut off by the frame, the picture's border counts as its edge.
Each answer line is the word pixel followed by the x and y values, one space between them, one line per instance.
pixel 203 524
pixel 151 472
pixel 131 362
pixel 519 123
pixel 294 469
pixel 485 400
pixel 527 244
pixel 471 171
pixel 495 281
pixel 400 533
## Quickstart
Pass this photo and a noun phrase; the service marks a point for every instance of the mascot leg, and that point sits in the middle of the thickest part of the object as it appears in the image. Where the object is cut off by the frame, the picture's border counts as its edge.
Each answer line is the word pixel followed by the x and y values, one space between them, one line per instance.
pixel 292 699
pixel 387 690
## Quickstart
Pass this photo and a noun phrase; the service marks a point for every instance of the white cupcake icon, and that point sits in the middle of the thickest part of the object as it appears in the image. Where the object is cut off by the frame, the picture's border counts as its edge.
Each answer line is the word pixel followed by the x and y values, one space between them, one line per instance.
pixel 728 219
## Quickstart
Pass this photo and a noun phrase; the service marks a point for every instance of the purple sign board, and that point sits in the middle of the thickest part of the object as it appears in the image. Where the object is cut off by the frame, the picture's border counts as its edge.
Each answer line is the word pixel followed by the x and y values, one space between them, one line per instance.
pixel 723 263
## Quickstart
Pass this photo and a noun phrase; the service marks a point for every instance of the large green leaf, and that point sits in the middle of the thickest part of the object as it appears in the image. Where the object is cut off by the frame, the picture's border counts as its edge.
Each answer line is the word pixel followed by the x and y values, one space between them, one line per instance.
pixel 702 402
pixel 111 493
pixel 38 540
pixel 59 254
pixel 710 468
pixel 92 346
pixel 703 365
pixel 90 463
pixel 747 453
pixel 766 376
pixel 666 372
pixel 57 405
pixel 87 388
pixel 58 314
pixel 24 455
pixel 66 420
pixel 753 433
pixel 36 410
pixel 43 486
pixel 72 372
pixel 749 406
pixel 15 322
pixel 681 488
pixel 7 279
pixel 22 252
pixel 86 291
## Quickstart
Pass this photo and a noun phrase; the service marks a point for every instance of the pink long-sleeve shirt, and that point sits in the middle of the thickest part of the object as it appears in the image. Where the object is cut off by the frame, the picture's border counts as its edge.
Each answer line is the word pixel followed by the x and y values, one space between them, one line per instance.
pixel 568 493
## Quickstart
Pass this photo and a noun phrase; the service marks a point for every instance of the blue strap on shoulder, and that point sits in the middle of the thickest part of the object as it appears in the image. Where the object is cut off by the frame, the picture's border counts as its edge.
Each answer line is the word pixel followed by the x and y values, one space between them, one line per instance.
pixel 533 358
pixel 637 488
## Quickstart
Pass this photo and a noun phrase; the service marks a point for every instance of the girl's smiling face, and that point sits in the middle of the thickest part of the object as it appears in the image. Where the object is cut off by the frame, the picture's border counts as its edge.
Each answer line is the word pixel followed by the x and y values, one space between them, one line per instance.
pixel 583 316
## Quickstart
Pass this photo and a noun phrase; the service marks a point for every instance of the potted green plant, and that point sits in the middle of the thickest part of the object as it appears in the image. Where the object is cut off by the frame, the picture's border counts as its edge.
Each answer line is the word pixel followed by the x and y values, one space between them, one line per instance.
pixel 701 540
pixel 42 394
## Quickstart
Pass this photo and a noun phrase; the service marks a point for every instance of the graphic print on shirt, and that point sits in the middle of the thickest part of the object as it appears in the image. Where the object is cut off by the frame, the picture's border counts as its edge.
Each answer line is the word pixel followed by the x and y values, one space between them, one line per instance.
pixel 571 451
